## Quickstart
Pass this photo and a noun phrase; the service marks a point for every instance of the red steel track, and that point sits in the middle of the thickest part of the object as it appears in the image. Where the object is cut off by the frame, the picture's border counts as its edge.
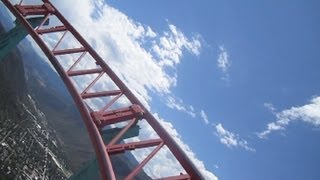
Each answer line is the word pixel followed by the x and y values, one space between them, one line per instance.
pixel 96 120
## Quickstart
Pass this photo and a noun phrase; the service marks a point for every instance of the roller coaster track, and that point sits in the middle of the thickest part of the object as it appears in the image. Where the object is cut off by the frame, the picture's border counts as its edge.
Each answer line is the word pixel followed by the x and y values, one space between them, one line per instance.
pixel 97 119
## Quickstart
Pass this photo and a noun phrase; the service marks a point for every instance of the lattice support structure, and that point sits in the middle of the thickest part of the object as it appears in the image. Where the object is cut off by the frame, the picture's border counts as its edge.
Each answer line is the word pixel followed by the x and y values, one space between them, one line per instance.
pixel 97 119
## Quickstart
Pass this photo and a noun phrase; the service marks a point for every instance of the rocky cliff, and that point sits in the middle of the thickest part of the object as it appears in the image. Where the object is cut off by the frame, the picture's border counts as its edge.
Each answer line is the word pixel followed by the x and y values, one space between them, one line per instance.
pixel 29 147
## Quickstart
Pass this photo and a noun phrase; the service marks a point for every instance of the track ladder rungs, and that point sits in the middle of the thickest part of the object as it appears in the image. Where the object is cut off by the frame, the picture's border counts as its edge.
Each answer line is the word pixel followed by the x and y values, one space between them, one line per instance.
pixel 96 120
pixel 115 116
pixel 121 148
pixel 51 30
pixel 27 10
pixel 84 72
pixel 68 51
pixel 100 94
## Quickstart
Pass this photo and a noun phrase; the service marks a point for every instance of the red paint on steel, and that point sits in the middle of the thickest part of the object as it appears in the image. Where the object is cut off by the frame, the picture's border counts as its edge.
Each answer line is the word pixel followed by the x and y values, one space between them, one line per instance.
pixel 95 120
pixel 144 162
pixel 102 156
pixel 51 30
pixel 103 119
pixel 180 177
pixel 121 148
pixel 92 84
pixel 68 51
pixel 85 72
pixel 77 61
pixel 100 94
pixel 27 10
pixel 122 132
pixel 111 103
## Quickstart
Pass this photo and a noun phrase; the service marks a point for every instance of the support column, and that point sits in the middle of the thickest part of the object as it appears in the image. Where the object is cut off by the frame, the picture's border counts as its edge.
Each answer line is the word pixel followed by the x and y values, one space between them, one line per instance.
pixel 11 39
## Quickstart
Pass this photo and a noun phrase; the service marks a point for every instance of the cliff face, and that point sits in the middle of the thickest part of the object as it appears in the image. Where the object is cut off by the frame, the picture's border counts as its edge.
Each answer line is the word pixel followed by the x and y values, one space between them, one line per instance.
pixel 53 99
pixel 12 77
pixel 29 147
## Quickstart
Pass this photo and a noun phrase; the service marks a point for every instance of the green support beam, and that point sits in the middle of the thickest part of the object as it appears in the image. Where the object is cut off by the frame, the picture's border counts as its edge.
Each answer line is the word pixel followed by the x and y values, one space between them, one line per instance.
pixel 10 39
pixel 91 171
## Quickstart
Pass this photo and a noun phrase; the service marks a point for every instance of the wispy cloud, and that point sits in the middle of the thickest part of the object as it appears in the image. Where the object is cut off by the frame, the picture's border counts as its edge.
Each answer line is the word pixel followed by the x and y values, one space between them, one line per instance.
pixel 165 164
pixel 230 139
pixel 204 117
pixel 170 46
pixel 270 107
pixel 178 104
pixel 224 63
pixel 309 113
pixel 198 163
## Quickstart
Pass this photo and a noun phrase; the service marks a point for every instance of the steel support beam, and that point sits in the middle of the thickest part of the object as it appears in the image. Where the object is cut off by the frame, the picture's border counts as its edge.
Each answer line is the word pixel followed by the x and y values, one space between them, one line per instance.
pixel 96 120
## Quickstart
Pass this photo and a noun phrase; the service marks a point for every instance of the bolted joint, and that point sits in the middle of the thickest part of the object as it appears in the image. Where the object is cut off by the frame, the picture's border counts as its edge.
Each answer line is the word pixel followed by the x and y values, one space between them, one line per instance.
pixel 49 8
pixel 97 117
pixel 102 119
pixel 137 110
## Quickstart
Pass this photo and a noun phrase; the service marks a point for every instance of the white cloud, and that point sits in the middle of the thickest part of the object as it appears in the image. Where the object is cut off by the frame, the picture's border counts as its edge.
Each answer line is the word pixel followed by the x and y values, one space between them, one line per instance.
pixel 164 164
pixel 121 42
pixel 178 104
pixel 309 113
pixel 270 107
pixel 204 117
pixel 224 63
pixel 170 46
pixel 191 108
pixel 230 139
pixel 150 33
pixel 199 164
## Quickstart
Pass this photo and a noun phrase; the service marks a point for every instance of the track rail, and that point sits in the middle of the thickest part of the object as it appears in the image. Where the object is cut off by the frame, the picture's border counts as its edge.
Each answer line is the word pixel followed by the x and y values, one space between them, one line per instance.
pixel 96 120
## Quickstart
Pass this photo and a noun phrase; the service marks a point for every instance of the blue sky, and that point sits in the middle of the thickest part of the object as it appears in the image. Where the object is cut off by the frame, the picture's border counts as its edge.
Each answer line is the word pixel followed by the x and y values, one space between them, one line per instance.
pixel 234 82
pixel 273 53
